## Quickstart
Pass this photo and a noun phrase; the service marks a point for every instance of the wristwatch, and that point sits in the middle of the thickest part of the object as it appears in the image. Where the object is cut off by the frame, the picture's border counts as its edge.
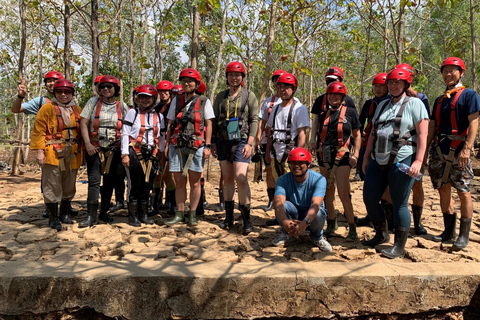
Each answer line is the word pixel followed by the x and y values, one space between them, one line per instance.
pixel 207 146
pixel 308 221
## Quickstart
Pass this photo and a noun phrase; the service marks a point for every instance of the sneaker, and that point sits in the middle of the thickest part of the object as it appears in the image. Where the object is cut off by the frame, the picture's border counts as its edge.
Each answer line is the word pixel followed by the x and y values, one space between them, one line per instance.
pixel 323 244
pixel 281 239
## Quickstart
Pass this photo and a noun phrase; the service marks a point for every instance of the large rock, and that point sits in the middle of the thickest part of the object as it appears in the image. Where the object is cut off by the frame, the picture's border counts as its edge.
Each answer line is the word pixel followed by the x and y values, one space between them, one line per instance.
pixel 165 289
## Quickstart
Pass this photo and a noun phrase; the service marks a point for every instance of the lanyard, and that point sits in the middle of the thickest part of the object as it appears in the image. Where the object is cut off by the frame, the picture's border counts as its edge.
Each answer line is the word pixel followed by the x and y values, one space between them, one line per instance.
pixel 228 108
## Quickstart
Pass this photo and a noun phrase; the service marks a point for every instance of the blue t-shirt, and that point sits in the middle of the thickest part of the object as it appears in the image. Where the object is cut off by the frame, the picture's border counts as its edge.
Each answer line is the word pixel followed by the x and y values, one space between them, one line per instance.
pixel 301 194
pixel 32 106
pixel 468 103
pixel 424 99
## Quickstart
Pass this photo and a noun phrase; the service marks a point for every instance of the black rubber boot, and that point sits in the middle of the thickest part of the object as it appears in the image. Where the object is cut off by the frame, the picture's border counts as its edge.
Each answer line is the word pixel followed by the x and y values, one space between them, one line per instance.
pixel 363 222
pixel 221 201
pixel 388 208
pixel 228 222
pixel 153 208
pixel 417 220
pixel 53 221
pixel 271 194
pixel 92 208
pixel 398 248
pixel 192 220
pixel 45 213
pixel 245 211
pixel 173 202
pixel 119 192
pixel 200 211
pixel 203 199
pixel 132 213
pixel 462 240
pixel 104 205
pixel 332 225
pixel 71 211
pixel 179 217
pixel 381 234
pixel 143 212
pixel 352 232
pixel 64 216
pixel 449 221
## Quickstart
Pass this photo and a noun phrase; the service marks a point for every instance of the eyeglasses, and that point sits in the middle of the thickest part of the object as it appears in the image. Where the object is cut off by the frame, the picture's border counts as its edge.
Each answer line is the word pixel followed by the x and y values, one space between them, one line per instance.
pixel 144 96
pixel 63 91
pixel 187 80
pixel 450 71
pixel 107 86
pixel 394 82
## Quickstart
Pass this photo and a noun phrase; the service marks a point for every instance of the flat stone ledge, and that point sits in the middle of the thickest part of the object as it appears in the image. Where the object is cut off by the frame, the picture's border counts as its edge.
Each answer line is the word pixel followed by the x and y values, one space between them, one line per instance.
pixel 162 290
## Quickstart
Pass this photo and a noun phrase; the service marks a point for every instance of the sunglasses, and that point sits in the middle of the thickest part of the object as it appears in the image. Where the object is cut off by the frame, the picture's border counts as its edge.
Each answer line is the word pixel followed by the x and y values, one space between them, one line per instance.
pixel 108 86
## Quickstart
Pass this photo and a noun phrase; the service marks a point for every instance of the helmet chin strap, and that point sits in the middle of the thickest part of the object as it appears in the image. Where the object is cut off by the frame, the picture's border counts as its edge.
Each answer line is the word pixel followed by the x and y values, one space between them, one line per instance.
pixel 301 175
pixel 403 91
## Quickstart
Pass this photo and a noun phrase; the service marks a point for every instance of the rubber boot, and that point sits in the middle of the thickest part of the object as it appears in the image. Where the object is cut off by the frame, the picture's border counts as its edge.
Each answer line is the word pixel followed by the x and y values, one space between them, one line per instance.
pixel 398 248
pixel 228 222
pixel 381 234
pixel 245 211
pixel 200 211
pixel 153 208
pixel 203 199
pixel 221 202
pixel 363 222
pixel 192 220
pixel 53 221
pixel 388 208
pixel 417 220
pixel 173 202
pixel 132 213
pixel 462 240
pixel 119 201
pixel 332 225
pixel 104 204
pixel 449 221
pixel 92 208
pixel 45 213
pixel 179 217
pixel 71 211
pixel 64 216
pixel 352 232
pixel 143 212
pixel 271 194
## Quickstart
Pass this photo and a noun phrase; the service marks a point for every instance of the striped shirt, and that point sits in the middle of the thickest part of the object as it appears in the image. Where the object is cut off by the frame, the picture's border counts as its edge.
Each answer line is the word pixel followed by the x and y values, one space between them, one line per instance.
pixel 107 121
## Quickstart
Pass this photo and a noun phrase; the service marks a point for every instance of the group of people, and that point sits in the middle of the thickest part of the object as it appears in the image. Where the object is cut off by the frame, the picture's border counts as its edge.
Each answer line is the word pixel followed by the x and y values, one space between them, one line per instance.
pixel 165 141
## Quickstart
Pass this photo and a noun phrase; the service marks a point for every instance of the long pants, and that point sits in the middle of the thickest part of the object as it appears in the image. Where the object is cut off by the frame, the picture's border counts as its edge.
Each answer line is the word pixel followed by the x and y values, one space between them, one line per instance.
pixel 94 167
pixel 138 188
pixel 377 180
pixel 58 185
pixel 316 227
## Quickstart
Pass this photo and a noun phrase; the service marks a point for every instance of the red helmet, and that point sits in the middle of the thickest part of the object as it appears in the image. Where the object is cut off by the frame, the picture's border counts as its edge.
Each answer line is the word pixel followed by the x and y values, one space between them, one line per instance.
pixel 399 74
pixel 278 73
pixel 337 87
pixel 405 66
pixel 288 78
pixel 164 85
pixel 201 87
pixel 453 61
pixel 109 79
pixel 299 154
pixel 97 79
pixel 148 90
pixel 380 78
pixel 136 89
pixel 334 71
pixel 235 66
pixel 53 75
pixel 190 73
pixel 63 84
pixel 177 89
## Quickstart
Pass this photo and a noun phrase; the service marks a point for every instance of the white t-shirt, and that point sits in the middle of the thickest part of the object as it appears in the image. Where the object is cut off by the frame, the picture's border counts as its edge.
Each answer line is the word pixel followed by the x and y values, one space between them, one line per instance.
pixel 300 119
pixel 208 111
pixel 263 113
pixel 134 130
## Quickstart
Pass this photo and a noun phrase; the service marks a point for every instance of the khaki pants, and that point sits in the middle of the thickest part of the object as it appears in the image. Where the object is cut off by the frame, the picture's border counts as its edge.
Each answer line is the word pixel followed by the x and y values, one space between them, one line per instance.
pixel 58 185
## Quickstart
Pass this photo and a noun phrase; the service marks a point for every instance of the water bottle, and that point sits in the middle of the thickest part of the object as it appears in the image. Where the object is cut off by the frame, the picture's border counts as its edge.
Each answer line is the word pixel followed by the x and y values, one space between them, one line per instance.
pixel 404 168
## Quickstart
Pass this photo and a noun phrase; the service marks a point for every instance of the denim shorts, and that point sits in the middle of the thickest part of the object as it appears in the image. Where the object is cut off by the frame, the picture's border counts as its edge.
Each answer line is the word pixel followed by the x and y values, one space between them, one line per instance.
pixel 174 159
pixel 224 147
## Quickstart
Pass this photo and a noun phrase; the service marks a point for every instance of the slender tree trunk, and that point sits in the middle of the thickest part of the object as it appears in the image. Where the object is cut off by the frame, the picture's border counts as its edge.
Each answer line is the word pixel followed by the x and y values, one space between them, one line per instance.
pixel 220 52
pixel 473 37
pixel 67 57
pixel 120 55
pixel 157 49
pixel 385 47
pixel 365 64
pixel 130 49
pixel 144 42
pixel 401 34
pixel 95 43
pixel 269 54
pixel 23 45
pixel 195 36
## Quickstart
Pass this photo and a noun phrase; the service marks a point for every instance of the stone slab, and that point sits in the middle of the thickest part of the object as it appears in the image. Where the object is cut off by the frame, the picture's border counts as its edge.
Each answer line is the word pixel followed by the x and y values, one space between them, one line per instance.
pixel 213 290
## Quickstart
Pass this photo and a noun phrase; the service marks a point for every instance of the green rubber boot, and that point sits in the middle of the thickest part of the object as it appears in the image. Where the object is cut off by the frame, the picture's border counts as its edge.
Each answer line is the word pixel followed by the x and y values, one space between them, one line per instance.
pixel 179 217
pixel 352 232
pixel 332 225
pixel 192 220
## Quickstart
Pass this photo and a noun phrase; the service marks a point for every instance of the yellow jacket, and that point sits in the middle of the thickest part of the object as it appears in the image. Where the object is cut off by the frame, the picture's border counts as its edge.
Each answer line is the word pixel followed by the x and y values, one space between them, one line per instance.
pixel 46 124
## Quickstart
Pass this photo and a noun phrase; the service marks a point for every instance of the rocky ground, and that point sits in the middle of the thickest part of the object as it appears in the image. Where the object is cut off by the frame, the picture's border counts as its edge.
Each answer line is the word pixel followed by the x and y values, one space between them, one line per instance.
pixel 25 236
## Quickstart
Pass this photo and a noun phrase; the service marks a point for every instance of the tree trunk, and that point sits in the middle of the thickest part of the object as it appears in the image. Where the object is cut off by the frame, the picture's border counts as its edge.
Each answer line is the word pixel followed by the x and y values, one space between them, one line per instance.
pixel 401 33
pixel 473 37
pixel 95 43
pixel 365 64
pixel 23 45
pixel 130 50
pixel 220 52
pixel 120 53
pixel 269 54
pixel 144 42
pixel 195 36
pixel 67 57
